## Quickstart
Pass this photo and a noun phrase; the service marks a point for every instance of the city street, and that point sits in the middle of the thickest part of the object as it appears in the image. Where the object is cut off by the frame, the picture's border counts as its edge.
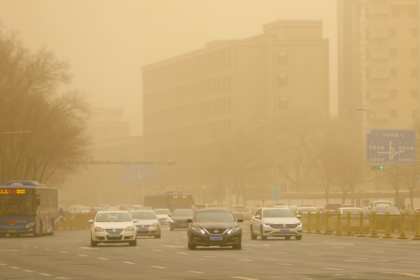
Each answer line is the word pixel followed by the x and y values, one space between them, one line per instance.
pixel 68 255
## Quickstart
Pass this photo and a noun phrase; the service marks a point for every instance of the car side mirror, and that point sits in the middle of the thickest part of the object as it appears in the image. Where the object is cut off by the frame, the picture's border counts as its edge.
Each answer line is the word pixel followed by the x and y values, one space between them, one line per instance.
pixel 298 216
pixel 135 221
pixel 189 220
pixel 90 221
pixel 257 217
pixel 240 220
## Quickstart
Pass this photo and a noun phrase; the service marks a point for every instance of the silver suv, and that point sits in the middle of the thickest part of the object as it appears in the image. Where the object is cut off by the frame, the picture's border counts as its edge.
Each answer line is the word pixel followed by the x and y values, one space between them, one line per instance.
pixel 275 222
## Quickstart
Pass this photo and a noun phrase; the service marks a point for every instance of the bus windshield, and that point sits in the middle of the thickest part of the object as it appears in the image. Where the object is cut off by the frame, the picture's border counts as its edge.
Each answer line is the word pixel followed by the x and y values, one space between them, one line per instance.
pixel 17 204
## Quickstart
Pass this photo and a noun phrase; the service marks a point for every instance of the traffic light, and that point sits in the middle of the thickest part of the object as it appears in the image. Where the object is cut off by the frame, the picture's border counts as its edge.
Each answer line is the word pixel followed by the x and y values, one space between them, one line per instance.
pixel 377 167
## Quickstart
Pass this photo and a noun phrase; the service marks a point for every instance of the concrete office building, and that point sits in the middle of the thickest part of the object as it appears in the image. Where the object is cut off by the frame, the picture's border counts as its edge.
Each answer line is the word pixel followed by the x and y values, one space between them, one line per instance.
pixel 228 86
pixel 378 48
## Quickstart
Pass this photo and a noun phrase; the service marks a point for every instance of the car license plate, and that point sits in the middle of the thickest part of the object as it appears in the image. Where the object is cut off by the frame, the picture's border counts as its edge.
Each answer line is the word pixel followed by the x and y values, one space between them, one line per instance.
pixel 143 229
pixel 12 230
pixel 114 235
pixel 285 231
pixel 183 225
pixel 216 238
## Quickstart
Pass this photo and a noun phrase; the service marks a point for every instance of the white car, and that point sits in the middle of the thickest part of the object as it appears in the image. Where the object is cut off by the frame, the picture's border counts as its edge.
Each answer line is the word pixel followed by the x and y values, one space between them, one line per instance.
pixel 147 223
pixel 113 227
pixel 275 222
pixel 163 215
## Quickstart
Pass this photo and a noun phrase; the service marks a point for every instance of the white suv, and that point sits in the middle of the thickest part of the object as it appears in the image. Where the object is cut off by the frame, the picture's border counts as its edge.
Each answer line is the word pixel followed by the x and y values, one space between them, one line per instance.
pixel 275 222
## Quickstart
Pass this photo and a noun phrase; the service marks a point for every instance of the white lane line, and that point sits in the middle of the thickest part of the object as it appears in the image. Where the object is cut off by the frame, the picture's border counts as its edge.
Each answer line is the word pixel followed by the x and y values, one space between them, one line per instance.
pixel 360 258
pixel 414 253
pixel 129 262
pixel 15 267
pixel 315 255
pixel 62 278
pixel 384 260
pixel 243 278
pixel 47 249
pixel 156 250
pixel 244 260
pixel 81 255
pixel 44 274
pixel 63 252
pixel 9 250
pixel 376 251
pixel 209 256
pixel 36 247
pixel 248 249
pixel 103 259
pixel 195 272
pixel 390 243
pixel 182 253
pixel 3 264
pixel 407 262
pixel 338 247
pixel 159 267
pixel 331 268
pixel 29 271
pixel 284 263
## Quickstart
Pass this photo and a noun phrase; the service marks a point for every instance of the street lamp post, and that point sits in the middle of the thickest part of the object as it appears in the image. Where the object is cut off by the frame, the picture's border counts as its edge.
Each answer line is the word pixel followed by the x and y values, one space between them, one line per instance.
pixel 361 109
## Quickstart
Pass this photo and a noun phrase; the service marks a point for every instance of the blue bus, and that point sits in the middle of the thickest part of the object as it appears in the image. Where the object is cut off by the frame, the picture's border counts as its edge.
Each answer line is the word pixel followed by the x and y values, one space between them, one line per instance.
pixel 28 207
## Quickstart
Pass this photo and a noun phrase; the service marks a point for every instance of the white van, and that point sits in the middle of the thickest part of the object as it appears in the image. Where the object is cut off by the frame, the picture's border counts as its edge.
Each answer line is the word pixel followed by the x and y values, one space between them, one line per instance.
pixel 381 203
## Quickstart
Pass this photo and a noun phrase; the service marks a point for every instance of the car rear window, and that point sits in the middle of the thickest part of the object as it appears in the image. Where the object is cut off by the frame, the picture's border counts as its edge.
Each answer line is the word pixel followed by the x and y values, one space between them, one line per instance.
pixel 392 210
pixel 333 206
pixel 183 212
pixel 143 215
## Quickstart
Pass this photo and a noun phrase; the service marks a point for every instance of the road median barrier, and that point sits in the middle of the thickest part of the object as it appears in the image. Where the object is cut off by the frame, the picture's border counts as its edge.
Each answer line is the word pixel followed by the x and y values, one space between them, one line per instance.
pixel 349 224
pixel 318 223
pixel 76 221
pixel 402 226
pixel 387 227
pixel 416 226
pixel 361 224
pixel 327 223
pixel 338 225
pixel 373 223
pixel 309 230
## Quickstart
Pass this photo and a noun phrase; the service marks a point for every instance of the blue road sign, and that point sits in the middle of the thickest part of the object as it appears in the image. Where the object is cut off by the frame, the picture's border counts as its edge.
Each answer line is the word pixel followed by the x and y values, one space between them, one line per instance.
pixel 139 173
pixel 276 192
pixel 385 146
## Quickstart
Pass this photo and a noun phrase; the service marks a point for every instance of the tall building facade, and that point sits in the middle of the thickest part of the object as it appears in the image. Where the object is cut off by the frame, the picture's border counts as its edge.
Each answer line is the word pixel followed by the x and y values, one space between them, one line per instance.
pixel 378 56
pixel 228 86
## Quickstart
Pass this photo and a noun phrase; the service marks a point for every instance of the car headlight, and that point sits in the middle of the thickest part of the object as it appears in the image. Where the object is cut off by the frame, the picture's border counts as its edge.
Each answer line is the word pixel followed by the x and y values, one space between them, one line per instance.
pixel 267 225
pixel 30 225
pixel 299 225
pixel 154 225
pixel 197 230
pixel 98 229
pixel 130 228
pixel 172 221
pixel 234 230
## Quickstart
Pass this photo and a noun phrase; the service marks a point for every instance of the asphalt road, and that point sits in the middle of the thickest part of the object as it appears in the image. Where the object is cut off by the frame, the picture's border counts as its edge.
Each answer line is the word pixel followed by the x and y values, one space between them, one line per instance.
pixel 67 255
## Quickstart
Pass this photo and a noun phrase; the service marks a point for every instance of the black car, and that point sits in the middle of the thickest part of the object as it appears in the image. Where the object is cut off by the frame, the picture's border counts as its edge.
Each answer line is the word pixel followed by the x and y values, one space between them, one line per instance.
pixel 179 218
pixel 214 227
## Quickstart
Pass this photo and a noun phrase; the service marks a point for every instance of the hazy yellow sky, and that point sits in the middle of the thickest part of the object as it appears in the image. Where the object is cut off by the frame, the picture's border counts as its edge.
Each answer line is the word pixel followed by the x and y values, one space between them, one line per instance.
pixel 108 41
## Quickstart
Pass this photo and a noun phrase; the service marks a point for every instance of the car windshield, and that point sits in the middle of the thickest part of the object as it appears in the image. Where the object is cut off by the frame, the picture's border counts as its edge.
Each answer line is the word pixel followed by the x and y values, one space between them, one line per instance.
pixel 13 204
pixel 277 213
pixel 85 208
pixel 143 215
pixel 392 210
pixel 332 206
pixel 183 212
pixel 306 209
pixel 113 217
pixel 162 211
pixel 215 216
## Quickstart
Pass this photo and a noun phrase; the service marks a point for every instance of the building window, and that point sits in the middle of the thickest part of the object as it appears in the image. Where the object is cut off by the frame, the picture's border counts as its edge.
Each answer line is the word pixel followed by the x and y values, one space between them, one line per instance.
pixel 282 58
pixel 283 103
pixel 393 53
pixel 414 73
pixel 392 32
pixel 393 73
pixel 282 81
pixel 414 53
pixel 414 32
pixel 414 114
pixel 414 93
pixel 394 114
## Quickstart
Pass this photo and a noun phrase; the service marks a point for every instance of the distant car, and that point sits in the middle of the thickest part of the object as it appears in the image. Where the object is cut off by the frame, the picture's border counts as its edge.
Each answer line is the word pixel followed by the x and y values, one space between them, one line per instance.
pixel 292 208
pixel 275 222
pixel 179 218
pixel 126 207
pixel 394 215
pixel 97 209
pixel 354 218
pixel 73 210
pixel 241 212
pixel 331 207
pixel 163 215
pixel 211 205
pixel 85 209
pixel 113 227
pixel 144 208
pixel 147 223
pixel 214 227
pixel 306 210
pixel 198 206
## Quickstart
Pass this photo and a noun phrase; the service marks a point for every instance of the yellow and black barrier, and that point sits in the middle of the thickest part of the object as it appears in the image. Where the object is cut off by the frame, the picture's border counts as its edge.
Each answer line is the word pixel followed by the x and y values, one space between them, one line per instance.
pixel 77 221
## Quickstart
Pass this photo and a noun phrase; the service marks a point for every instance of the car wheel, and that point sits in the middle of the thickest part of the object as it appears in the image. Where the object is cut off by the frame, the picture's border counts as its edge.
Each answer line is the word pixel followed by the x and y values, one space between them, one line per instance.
pixel 191 246
pixel 133 243
pixel 287 237
pixel 157 236
pixel 253 235
pixel 298 237
pixel 262 234
pixel 237 246
pixel 93 243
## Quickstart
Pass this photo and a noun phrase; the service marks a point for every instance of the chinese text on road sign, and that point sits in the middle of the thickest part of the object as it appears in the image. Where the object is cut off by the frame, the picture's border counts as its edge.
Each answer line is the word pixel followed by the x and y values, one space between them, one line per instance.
pixel 390 146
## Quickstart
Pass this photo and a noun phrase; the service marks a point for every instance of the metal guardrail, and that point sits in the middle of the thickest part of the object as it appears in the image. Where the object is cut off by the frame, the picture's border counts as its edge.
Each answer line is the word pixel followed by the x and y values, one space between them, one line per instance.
pixel 370 225
pixel 75 221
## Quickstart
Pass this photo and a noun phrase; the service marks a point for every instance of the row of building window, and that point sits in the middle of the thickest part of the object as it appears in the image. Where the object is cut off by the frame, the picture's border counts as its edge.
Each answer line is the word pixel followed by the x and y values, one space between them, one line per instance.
pixel 393 93
pixel 195 112
pixel 189 92
pixel 393 73
pixel 201 64
pixel 394 114
pixel 405 11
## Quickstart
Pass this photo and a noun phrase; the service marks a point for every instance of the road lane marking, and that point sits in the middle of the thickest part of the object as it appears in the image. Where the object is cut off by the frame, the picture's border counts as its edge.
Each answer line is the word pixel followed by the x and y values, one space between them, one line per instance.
pixel 376 251
pixel 44 274
pixel 62 278
pixel 315 255
pixel 384 260
pixel 284 263
pixel 9 250
pixel 14 267
pixel 209 256
pixel 244 278
pixel 338 247
pixel 36 247
pixel 29 271
pixel 81 255
pixel 405 274
pixel 103 259
pixel 407 262
pixel 195 272
pixel 172 246
pixel 390 243
pixel 331 268
pixel 182 253
pixel 3 264
pixel 63 252
pixel 244 260
pixel 159 267
pixel 47 249
pixel 156 250
pixel 129 262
